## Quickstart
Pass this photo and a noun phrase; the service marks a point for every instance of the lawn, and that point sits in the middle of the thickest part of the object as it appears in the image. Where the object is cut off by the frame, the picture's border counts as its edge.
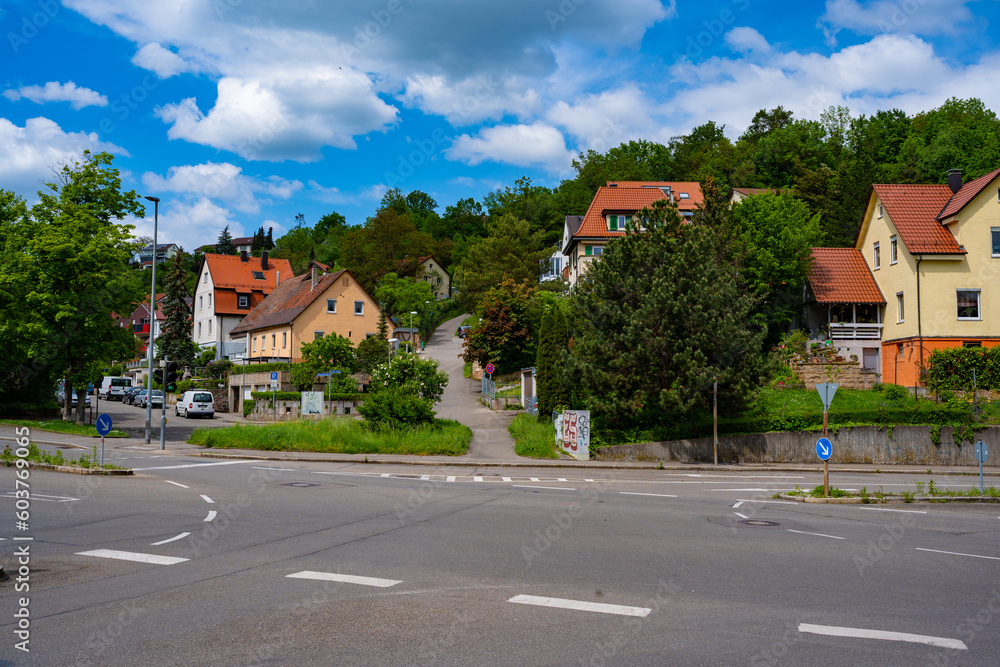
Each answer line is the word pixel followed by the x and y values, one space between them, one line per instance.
pixel 340 436
pixel 533 438
pixel 36 455
pixel 60 426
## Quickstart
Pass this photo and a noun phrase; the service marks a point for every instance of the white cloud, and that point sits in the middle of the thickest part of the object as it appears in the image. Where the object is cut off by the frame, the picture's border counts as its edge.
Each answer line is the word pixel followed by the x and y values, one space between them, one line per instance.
pixel 53 91
pixel 31 154
pixel 917 17
pixel 522 145
pixel 224 182
pixel 334 195
pixel 601 122
pixel 189 225
pixel 747 40
pixel 164 62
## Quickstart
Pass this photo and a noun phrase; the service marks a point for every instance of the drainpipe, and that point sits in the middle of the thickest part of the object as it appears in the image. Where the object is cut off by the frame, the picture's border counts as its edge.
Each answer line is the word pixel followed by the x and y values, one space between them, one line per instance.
pixel 920 334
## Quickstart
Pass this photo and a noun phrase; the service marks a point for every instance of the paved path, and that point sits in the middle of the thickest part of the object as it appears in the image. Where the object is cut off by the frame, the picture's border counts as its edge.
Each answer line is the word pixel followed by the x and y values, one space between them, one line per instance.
pixel 490 440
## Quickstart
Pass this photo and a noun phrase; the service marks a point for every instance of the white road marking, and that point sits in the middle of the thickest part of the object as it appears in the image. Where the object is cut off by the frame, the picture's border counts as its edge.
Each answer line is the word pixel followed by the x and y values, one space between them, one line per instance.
pixel 533 479
pixel 634 493
pixel 424 478
pixel 802 532
pixel 477 479
pixel 580 605
pixel 207 499
pixel 590 480
pixel 506 479
pixel 886 509
pixel 773 502
pixel 554 488
pixel 345 578
pixel 955 553
pixel 451 478
pixel 44 498
pixel 183 486
pixel 385 474
pixel 273 468
pixel 862 633
pixel 192 465
pixel 211 515
pixel 131 555
pixel 742 516
pixel 561 479
pixel 172 539
pixel 738 503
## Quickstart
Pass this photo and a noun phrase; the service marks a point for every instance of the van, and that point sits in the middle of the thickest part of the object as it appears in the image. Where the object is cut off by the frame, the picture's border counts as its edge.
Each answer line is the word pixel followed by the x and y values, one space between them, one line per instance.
pixel 112 387
pixel 198 402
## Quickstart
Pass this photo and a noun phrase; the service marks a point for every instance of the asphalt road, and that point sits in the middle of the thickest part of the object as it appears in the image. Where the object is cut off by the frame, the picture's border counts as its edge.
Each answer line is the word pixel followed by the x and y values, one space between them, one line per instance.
pixel 398 565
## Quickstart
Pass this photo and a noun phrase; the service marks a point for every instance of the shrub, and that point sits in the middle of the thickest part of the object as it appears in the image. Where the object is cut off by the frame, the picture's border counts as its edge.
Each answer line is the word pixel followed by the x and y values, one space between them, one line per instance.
pixel 248 406
pixel 895 392
pixel 219 369
pixel 395 408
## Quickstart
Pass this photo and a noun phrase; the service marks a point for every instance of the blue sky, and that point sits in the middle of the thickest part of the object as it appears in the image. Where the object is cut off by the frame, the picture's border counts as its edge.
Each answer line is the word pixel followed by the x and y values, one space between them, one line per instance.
pixel 245 112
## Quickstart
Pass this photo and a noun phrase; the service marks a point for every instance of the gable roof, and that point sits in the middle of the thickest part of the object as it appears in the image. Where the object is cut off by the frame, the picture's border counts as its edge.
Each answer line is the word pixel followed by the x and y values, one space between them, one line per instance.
pixel 747 192
pixel 287 301
pixel 841 275
pixel 913 210
pixel 632 196
pixel 243 240
pixel 967 193
pixel 231 272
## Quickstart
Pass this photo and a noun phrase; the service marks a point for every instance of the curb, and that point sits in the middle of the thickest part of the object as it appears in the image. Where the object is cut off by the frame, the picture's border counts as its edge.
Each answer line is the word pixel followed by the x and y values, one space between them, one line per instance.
pixel 891 501
pixel 78 471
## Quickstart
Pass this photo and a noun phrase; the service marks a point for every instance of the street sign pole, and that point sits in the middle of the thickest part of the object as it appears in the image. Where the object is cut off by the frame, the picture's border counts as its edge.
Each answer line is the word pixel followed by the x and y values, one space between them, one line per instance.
pixel 826 392
pixel 826 462
pixel 715 421
pixel 982 453
pixel 103 428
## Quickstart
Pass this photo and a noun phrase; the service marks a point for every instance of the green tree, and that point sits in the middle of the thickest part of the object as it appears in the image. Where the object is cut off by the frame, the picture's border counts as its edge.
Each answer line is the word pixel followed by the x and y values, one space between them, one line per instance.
pixel 175 342
pixel 510 251
pixel 399 296
pixel 224 245
pixel 321 355
pixel 376 248
pixel 403 393
pixel 69 262
pixel 297 245
pixel 532 203
pixel 553 342
pixel 508 333
pixel 660 317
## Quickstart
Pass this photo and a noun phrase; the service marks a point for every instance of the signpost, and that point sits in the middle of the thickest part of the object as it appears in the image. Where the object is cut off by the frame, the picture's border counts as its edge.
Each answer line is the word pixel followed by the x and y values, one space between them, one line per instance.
pixel 274 388
pixel 826 391
pixel 104 427
pixel 490 368
pixel 982 453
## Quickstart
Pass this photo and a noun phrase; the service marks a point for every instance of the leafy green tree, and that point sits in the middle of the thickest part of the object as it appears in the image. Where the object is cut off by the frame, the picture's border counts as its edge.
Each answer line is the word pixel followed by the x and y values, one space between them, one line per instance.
pixel 766 121
pixel 371 352
pixel 376 248
pixel 402 394
pixel 69 262
pixel 323 354
pixel 511 251
pixel 553 342
pixel 508 333
pixel 224 244
pixel 175 342
pixel 400 296
pixel 297 245
pixel 658 319
pixel 531 203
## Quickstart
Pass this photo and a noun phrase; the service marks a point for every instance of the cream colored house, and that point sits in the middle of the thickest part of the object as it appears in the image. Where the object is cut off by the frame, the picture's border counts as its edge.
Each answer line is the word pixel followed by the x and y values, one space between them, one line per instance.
pixel 305 308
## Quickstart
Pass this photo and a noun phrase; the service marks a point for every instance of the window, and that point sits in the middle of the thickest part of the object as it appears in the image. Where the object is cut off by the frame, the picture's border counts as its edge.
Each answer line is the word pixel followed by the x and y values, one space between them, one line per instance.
pixel 968 305
pixel 995 240
pixel 244 301
pixel 880 210
pixel 258 275
pixel 349 335
pixel 972 343
pixel 684 195
pixel 331 305
pixel 274 337
pixel 592 250
pixel 284 340
pixel 206 278
pixel 199 329
pixel 359 307
pixel 254 343
pixel 317 335
pixel 877 257
pixel 200 302
pixel 893 250
pixel 210 327
pixel 209 299
pixel 899 307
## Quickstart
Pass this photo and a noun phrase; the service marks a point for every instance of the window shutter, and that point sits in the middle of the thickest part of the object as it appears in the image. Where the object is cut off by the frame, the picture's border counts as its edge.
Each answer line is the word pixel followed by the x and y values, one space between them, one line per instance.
pixel 587 250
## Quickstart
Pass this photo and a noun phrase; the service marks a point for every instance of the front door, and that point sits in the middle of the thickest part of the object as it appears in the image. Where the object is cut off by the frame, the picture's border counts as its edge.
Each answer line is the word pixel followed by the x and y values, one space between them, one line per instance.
pixel 870 359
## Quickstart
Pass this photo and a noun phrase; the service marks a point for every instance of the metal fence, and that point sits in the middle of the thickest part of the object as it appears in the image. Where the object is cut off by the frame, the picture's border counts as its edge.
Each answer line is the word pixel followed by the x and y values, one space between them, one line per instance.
pixel 498 394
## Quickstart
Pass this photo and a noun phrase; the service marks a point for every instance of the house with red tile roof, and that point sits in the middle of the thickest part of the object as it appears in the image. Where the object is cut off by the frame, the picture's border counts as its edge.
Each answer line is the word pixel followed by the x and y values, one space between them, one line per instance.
pixel 611 210
pixel 739 194
pixel 933 252
pixel 229 288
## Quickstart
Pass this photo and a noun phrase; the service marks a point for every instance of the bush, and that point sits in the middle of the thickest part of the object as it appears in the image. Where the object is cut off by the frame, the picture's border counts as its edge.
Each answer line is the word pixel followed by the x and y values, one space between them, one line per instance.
pixel 219 369
pixel 895 392
pixel 248 405
pixel 396 408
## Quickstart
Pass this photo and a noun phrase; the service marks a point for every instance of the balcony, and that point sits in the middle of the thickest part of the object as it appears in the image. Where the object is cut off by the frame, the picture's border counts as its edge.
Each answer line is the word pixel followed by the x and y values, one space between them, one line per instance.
pixel 855 331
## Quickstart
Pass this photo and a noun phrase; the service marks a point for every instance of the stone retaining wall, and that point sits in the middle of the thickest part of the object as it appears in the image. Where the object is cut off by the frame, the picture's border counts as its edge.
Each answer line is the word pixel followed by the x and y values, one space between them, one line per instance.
pixel 848 374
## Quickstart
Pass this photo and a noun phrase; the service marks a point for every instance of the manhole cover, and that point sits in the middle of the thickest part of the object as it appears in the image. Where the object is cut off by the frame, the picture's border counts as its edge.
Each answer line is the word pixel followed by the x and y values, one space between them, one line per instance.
pixel 301 485
pixel 758 522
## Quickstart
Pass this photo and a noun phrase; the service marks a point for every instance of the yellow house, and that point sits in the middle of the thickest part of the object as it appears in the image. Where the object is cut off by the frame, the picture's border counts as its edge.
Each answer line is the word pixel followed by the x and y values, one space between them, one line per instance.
pixel 305 308
pixel 934 251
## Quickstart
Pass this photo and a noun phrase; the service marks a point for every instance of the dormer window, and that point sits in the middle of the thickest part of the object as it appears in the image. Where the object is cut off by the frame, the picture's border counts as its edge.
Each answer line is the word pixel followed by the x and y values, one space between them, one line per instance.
pixel 616 223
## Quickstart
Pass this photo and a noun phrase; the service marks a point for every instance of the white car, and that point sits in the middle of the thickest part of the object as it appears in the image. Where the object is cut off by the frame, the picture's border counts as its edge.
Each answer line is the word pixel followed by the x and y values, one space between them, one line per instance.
pixel 195 403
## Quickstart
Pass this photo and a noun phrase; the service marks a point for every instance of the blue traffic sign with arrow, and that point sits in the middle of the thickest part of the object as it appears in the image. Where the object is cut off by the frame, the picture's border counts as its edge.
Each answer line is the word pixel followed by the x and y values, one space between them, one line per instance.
pixel 824 448
pixel 103 424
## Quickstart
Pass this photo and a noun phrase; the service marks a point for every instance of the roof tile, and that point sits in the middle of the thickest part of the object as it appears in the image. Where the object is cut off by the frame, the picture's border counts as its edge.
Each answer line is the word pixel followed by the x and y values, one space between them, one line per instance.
pixel 913 210
pixel 632 196
pixel 966 194
pixel 841 275
pixel 230 272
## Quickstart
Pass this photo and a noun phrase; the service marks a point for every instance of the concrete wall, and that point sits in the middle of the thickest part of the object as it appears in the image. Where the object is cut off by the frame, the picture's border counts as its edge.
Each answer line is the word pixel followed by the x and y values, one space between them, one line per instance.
pixel 291 410
pixel 863 444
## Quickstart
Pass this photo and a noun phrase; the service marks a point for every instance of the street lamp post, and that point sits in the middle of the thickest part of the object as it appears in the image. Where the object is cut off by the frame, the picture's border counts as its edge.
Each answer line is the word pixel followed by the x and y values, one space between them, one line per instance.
pixel 163 403
pixel 413 343
pixel 391 341
pixel 152 319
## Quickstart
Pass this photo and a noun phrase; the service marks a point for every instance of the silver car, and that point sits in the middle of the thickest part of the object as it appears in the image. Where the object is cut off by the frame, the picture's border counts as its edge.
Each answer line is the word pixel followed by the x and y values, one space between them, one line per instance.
pixel 152 398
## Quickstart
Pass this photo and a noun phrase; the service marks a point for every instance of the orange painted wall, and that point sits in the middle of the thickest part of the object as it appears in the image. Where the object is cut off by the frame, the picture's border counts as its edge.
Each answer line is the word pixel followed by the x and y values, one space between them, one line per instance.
pixel 901 358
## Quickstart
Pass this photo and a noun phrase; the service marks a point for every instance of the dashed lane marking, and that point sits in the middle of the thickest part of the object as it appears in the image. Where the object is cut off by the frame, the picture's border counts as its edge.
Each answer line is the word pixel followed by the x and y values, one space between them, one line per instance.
pixel 580 605
pixel 477 479
pixel 207 499
pixel 742 516
pixel 955 553
pixel 133 556
pixel 211 515
pixel 183 486
pixel 171 539
pixel 634 493
pixel 451 478
pixel 554 488
pixel 507 479
pixel 886 509
pixel 803 532
pixel 345 578
pixel 44 498
pixel 862 633
pixel 738 503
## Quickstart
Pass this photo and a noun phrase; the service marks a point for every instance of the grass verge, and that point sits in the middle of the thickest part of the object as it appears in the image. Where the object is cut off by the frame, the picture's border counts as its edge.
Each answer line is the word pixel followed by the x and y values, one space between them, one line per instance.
pixel 36 455
pixel 340 436
pixel 533 438
pixel 60 426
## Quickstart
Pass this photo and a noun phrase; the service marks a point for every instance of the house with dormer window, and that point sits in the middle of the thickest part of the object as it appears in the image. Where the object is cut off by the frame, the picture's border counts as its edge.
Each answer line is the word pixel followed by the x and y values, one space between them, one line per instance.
pixel 229 287
pixel 611 210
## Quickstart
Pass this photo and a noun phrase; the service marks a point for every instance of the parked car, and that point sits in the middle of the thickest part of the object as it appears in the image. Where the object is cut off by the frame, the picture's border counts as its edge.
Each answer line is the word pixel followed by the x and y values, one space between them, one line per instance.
pixel 193 403
pixel 113 386
pixel 61 398
pixel 154 398
pixel 464 330
pixel 136 397
pixel 129 394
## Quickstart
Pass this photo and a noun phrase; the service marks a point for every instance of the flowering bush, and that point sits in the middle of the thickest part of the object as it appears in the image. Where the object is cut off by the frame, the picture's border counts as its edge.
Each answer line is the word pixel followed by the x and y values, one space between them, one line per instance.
pixel 408 371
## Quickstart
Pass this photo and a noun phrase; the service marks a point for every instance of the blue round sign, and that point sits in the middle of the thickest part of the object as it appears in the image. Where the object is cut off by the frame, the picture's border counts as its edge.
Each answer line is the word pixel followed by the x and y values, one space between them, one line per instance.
pixel 103 424
pixel 824 448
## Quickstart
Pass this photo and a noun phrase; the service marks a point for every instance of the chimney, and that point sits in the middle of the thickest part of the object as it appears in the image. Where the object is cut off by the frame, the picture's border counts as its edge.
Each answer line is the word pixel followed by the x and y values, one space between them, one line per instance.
pixel 314 273
pixel 954 180
pixel 263 261
pixel 277 278
pixel 243 255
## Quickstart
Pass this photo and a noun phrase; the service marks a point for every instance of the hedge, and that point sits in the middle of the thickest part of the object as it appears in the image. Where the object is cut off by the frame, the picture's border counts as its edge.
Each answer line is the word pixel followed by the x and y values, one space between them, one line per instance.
pixel 238 369
pixel 951 368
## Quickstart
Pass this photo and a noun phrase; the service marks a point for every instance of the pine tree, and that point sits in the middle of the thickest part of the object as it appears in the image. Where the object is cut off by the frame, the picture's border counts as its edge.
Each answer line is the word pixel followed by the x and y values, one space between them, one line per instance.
pixel 225 246
pixel 383 326
pixel 269 241
pixel 175 341
pixel 258 242
pixel 552 341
